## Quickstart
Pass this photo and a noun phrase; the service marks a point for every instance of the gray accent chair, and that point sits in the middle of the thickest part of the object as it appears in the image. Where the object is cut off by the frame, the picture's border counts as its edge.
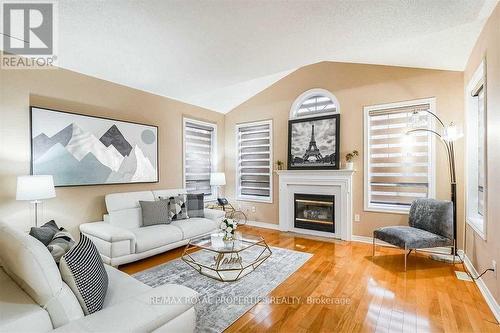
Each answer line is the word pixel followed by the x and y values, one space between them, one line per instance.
pixel 430 225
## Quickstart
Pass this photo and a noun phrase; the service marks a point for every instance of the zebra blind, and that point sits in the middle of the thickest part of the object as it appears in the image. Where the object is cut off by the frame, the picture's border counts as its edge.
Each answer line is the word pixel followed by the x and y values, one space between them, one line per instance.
pixel 316 104
pixel 199 143
pixel 399 165
pixel 254 169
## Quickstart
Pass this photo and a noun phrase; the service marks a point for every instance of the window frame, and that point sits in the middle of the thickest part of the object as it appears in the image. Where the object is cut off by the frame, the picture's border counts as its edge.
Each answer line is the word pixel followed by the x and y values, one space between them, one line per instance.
pixel 251 198
pixel 213 153
pixel 478 80
pixel 386 208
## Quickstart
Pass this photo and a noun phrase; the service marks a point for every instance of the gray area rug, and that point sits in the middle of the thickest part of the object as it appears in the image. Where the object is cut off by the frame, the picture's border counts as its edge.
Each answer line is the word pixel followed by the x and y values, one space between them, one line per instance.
pixel 222 303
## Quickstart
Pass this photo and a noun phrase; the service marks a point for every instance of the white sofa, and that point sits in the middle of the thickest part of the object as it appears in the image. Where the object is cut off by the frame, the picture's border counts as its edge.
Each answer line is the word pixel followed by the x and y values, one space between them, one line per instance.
pixel 120 238
pixel 34 298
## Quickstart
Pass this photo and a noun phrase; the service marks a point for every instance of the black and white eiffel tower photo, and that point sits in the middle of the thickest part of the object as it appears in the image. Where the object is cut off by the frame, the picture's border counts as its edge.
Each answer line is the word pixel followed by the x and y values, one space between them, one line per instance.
pixel 313 143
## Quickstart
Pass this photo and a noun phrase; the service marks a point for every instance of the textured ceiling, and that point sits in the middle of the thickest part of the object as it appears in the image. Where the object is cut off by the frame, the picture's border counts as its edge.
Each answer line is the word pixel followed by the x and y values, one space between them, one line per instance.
pixel 217 54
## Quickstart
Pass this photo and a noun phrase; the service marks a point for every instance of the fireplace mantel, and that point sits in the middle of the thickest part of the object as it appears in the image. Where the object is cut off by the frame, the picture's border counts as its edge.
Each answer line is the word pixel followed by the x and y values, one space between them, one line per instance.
pixel 331 182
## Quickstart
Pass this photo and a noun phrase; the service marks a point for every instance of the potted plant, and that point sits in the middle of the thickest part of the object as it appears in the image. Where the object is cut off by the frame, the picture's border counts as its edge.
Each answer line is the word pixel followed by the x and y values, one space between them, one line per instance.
pixel 228 227
pixel 279 164
pixel 349 158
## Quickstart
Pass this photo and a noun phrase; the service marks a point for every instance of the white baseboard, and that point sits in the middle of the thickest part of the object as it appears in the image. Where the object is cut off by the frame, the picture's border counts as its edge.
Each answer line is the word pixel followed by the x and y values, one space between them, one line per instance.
pixel 263 225
pixel 490 300
pixel 369 240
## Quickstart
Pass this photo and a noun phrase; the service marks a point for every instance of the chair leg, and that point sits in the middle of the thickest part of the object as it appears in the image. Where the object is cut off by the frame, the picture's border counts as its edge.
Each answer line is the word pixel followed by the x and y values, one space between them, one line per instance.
pixel 405 256
pixel 453 254
pixel 373 248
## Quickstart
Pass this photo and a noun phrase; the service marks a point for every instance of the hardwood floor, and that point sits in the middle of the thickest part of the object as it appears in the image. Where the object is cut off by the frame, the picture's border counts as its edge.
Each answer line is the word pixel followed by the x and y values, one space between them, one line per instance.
pixel 368 295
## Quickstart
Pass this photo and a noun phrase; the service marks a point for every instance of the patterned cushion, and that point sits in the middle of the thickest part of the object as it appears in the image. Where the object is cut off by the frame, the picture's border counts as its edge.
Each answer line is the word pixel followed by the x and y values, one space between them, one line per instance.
pixel 61 243
pixel 177 208
pixel 154 212
pixel 196 205
pixel 45 233
pixel 83 271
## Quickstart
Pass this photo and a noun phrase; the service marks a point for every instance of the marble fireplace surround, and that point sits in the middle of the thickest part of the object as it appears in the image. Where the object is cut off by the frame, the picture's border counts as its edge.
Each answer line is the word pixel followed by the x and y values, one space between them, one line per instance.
pixel 326 182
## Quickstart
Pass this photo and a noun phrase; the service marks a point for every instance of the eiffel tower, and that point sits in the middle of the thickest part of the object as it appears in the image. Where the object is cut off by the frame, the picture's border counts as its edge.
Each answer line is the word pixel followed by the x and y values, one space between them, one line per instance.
pixel 313 150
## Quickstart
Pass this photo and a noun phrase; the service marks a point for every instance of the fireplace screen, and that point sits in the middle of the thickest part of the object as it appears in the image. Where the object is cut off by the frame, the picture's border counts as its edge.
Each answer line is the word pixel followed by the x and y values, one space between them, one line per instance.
pixel 315 212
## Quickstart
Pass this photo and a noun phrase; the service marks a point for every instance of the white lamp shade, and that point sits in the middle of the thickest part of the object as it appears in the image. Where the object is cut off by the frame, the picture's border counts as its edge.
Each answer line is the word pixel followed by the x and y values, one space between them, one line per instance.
pixel 35 187
pixel 217 179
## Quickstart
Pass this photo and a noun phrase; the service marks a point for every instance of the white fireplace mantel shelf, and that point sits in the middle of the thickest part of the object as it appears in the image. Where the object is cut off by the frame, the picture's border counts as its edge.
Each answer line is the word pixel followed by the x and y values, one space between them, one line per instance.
pixel 328 182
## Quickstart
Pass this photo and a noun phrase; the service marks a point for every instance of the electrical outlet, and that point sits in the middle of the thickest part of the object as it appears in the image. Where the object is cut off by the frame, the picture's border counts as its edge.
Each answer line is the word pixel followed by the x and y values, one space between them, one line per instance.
pixel 494 266
pixel 253 209
pixel 356 218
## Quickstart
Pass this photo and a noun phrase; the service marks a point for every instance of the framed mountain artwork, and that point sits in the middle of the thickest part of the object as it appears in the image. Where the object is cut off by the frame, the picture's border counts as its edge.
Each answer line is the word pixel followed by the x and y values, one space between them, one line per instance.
pixel 313 143
pixel 85 150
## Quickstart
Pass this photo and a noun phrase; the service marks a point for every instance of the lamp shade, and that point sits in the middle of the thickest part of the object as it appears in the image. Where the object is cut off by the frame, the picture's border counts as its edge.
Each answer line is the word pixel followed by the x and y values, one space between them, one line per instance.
pixel 217 179
pixel 35 188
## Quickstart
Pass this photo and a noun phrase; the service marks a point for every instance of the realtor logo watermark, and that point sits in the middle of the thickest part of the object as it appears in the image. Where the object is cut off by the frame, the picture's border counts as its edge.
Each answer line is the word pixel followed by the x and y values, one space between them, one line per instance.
pixel 29 35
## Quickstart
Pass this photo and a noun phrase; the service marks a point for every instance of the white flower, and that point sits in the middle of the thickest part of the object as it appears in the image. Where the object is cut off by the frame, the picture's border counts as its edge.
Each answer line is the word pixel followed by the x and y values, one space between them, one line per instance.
pixel 223 226
pixel 229 229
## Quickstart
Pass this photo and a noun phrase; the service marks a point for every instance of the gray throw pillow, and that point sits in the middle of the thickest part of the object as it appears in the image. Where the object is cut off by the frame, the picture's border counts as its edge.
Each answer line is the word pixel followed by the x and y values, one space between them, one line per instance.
pixel 45 233
pixel 60 244
pixel 154 212
pixel 196 205
pixel 177 208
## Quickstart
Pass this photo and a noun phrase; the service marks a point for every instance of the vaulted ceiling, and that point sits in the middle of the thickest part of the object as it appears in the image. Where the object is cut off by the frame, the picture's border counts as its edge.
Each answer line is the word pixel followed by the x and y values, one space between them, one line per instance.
pixel 217 54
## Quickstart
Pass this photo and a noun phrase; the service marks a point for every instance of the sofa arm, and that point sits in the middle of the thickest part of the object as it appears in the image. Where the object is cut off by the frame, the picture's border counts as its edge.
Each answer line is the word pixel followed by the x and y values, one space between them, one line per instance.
pixel 214 214
pixel 106 231
pixel 110 240
pixel 143 313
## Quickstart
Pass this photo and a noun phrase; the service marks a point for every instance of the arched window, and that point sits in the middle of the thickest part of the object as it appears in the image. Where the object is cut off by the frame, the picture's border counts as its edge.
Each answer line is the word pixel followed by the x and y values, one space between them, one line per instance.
pixel 314 102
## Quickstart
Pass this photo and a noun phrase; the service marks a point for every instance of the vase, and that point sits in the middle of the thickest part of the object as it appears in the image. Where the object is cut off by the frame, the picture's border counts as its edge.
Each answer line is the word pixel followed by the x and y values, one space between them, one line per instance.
pixel 349 165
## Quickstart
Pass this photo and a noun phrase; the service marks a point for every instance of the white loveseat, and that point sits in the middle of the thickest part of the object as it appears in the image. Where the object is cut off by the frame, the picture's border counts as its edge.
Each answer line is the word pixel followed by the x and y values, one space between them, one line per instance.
pixel 34 298
pixel 120 238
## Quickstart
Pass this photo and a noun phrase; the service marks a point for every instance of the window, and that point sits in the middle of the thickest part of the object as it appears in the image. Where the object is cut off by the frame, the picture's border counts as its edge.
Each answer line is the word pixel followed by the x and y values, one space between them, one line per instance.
pixel 476 151
pixel 200 141
pixel 399 168
pixel 314 102
pixel 254 181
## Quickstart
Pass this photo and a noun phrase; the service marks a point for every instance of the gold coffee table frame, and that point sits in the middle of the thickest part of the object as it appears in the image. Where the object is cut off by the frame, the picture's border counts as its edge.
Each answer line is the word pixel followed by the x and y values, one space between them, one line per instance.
pixel 227 265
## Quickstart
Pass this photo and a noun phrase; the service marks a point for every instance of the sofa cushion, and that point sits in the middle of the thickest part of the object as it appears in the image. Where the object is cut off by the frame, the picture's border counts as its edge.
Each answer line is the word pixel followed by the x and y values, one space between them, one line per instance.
pixel 121 201
pixel 18 312
pixel 155 236
pixel 60 244
pixel 130 218
pixel 195 226
pixel 82 269
pixel 196 204
pixel 45 233
pixel 30 265
pixel 121 287
pixel 154 212
pixel 177 207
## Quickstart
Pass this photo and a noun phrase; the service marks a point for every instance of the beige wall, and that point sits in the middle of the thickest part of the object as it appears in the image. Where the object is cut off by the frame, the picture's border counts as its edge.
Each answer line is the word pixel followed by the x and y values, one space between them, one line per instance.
pixel 355 86
pixel 482 252
pixel 66 90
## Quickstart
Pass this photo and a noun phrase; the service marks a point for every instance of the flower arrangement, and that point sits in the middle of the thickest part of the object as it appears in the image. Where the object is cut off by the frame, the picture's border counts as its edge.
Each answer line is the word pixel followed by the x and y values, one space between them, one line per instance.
pixel 228 226
pixel 350 156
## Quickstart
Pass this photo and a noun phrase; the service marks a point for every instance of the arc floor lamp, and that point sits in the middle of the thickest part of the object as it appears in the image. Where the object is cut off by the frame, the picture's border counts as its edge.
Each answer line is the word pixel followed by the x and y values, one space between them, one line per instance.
pixel 449 134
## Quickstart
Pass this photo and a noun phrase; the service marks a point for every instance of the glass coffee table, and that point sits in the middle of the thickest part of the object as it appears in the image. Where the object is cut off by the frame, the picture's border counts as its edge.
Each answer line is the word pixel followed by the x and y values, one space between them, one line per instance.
pixel 223 260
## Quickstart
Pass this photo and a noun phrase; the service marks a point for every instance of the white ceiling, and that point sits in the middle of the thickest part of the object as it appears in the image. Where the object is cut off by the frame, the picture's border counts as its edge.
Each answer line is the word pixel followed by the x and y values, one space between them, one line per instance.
pixel 217 54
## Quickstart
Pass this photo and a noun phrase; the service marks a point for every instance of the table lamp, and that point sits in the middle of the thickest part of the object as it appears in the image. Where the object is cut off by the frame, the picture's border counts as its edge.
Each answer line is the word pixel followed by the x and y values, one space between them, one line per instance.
pixel 217 179
pixel 34 189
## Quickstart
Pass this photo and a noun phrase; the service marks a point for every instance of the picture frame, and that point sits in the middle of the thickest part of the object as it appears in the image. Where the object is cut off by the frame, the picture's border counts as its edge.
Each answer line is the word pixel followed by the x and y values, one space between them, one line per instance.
pixel 84 150
pixel 314 143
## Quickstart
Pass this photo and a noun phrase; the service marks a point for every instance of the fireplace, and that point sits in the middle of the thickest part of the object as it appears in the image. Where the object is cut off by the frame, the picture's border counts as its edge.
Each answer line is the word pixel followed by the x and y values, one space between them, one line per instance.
pixel 315 212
